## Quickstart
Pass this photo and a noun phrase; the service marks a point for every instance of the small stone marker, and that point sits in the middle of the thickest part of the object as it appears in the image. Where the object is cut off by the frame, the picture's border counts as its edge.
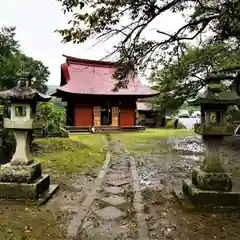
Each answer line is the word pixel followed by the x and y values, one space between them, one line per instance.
pixel 114 190
pixel 114 200
pixel 110 213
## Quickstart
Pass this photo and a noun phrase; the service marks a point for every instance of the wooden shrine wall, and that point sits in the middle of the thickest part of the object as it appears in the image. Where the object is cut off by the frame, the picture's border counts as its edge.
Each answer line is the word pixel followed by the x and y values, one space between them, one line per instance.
pixel 127 113
pixel 83 115
pixel 87 112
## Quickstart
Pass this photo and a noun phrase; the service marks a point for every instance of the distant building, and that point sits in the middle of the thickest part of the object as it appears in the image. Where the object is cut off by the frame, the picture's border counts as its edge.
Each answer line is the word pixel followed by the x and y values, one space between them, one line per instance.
pixel 146 115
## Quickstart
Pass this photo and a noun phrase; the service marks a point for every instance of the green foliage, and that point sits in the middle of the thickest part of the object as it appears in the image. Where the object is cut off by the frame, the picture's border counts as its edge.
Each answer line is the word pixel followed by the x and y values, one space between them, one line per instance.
pixel 53 118
pixel 193 109
pixel 182 79
pixel 233 114
pixel 131 19
pixel 8 44
pixel 13 61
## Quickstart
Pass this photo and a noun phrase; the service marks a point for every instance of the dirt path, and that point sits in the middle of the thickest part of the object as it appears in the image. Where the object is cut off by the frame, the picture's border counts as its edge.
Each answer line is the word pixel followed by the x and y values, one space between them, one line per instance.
pixel 113 208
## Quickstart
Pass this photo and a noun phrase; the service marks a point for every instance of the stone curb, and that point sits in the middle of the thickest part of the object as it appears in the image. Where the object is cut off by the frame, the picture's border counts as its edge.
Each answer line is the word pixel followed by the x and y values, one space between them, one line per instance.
pixel 77 220
pixel 137 201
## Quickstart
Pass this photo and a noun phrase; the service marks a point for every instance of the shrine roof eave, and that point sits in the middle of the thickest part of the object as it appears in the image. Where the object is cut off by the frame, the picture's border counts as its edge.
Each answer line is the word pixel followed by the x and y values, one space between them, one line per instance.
pixel 60 93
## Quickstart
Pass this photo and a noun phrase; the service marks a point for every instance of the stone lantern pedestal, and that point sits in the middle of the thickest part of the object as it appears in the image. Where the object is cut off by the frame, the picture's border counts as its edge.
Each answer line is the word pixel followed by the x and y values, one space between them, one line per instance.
pixel 210 186
pixel 22 179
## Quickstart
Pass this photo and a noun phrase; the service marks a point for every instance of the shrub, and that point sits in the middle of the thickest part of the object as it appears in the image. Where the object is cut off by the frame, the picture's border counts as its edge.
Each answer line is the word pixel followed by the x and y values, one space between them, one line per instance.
pixel 53 118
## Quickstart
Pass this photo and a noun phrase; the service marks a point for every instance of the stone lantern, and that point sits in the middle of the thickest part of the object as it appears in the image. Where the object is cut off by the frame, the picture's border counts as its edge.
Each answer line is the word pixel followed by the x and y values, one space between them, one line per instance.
pixel 210 184
pixel 22 178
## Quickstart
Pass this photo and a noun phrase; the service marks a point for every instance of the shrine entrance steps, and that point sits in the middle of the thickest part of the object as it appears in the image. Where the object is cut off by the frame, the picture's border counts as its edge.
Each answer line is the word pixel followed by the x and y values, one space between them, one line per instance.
pixel 101 129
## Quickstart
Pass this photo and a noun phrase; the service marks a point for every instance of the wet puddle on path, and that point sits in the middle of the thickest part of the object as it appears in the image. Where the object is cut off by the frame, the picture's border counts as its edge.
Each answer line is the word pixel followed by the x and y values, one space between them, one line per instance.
pixel 157 169
pixel 160 170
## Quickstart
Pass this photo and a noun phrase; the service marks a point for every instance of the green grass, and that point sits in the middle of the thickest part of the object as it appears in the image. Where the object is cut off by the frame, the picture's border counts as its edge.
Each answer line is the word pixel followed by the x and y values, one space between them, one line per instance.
pixel 82 152
pixel 77 153
pixel 150 139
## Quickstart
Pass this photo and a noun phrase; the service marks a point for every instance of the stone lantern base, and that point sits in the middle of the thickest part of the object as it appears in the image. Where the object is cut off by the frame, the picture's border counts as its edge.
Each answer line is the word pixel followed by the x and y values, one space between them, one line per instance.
pixel 210 187
pixel 191 197
pixel 213 193
pixel 25 183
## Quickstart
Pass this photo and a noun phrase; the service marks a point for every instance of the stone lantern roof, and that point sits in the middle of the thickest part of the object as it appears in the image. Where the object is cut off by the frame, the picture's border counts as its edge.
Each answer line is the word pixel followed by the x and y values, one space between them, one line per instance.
pixel 24 92
pixel 215 95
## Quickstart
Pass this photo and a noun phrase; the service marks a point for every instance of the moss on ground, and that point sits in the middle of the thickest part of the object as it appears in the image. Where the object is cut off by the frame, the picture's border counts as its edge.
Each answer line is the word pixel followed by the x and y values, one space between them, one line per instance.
pixel 77 153
pixel 150 139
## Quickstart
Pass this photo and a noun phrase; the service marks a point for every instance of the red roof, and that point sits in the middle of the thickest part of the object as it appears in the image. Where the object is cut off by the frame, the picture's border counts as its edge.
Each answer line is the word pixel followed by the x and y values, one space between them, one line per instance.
pixel 83 76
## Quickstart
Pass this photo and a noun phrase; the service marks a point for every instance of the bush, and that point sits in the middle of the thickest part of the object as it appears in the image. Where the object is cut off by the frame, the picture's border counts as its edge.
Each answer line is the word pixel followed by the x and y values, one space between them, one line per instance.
pixel 53 118
pixel 8 142
pixel 169 124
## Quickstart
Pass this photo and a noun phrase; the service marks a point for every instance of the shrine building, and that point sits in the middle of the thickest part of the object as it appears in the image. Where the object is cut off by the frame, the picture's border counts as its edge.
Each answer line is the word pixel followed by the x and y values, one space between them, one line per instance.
pixel 87 88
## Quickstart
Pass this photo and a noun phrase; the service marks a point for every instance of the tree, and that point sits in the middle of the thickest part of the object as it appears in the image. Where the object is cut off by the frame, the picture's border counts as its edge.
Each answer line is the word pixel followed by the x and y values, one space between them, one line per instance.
pixel 36 68
pixel 104 19
pixel 13 61
pixel 186 76
pixel 8 44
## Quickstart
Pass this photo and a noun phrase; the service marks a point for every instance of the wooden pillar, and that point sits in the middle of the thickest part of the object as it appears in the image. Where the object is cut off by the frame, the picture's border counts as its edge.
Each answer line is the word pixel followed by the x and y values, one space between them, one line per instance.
pixel 97 116
pixel 115 116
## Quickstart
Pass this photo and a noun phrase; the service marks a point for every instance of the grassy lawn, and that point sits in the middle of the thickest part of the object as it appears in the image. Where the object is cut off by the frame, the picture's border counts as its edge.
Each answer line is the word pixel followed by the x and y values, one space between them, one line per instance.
pixel 148 139
pixel 67 159
pixel 82 152
pixel 77 153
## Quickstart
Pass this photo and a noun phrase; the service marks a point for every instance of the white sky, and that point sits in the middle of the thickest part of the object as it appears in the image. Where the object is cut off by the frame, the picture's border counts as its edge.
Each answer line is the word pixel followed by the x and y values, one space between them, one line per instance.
pixel 36 21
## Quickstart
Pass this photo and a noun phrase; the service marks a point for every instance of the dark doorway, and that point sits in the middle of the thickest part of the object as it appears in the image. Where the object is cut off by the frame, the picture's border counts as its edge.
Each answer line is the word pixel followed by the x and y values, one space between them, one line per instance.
pixel 106 113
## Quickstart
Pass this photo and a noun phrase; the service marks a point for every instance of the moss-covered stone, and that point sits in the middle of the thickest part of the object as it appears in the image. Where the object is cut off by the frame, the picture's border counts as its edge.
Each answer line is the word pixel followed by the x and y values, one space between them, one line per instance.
pixel 223 130
pixel 212 181
pixel 24 190
pixel 209 197
pixel 20 173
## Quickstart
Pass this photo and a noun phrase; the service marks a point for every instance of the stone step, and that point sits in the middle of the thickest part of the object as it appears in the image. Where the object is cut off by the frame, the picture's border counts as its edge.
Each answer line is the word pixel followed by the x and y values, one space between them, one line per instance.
pixel 114 200
pixel 110 213
pixel 114 190
pixel 118 182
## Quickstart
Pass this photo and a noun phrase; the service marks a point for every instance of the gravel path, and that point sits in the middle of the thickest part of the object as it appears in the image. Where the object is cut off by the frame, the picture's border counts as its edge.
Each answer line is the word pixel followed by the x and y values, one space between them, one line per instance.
pixel 160 171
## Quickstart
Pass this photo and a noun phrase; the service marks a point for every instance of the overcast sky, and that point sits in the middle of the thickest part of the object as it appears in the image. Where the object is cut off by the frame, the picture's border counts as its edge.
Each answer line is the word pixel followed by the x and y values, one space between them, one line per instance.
pixel 36 21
